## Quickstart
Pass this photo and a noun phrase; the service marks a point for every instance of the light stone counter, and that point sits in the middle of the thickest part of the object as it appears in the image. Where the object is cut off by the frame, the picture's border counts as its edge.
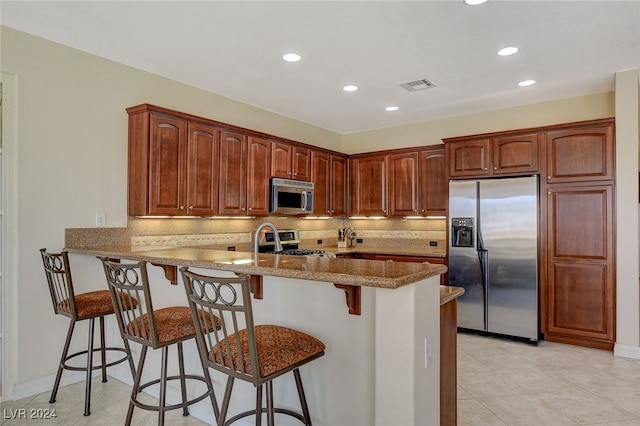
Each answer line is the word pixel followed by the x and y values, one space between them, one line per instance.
pixel 355 272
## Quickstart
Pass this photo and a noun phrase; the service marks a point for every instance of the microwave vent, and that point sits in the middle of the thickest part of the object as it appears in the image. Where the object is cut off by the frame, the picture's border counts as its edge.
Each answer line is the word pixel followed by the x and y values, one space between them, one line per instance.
pixel 414 86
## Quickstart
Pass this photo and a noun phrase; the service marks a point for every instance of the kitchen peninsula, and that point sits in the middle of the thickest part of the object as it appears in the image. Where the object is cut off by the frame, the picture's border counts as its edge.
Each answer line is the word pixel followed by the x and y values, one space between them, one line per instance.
pixel 381 367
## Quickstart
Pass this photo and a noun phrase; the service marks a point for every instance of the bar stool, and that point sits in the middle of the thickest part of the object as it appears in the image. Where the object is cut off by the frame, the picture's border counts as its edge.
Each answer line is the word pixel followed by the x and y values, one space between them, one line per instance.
pixel 80 307
pixel 257 354
pixel 156 329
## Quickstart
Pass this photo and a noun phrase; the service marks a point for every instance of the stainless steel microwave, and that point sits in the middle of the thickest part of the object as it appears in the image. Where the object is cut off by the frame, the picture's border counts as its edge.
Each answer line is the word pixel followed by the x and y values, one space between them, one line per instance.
pixel 291 197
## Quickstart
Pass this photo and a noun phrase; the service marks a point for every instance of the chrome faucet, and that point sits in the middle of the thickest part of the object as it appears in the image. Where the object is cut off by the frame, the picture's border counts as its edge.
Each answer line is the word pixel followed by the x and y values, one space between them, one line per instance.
pixel 276 238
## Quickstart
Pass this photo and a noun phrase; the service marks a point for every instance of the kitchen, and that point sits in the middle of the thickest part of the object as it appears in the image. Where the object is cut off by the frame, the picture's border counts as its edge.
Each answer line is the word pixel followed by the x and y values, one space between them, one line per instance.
pixel 69 116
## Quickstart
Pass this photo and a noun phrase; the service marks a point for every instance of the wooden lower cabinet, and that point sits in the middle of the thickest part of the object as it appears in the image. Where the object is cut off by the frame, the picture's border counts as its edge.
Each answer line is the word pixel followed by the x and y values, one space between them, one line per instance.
pixel 580 282
pixel 448 363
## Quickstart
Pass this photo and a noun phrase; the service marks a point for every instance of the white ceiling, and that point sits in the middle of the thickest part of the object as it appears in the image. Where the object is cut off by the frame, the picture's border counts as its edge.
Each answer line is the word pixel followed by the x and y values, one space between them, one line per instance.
pixel 234 48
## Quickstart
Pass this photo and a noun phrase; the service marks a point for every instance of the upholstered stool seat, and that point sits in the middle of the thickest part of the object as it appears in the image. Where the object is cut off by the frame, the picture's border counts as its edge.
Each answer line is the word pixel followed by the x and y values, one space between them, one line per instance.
pixel 80 307
pixel 240 349
pixel 156 329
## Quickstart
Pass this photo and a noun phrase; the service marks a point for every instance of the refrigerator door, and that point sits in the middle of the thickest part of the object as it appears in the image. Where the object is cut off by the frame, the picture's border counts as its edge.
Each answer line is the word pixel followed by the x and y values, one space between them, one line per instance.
pixel 508 221
pixel 464 264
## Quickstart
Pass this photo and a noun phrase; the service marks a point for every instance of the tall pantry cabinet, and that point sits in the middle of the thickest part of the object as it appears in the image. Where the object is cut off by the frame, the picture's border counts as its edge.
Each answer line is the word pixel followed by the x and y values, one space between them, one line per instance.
pixel 580 241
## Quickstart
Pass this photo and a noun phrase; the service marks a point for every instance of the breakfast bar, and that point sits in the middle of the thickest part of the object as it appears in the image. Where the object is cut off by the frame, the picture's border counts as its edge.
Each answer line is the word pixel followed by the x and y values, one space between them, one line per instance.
pixel 381 366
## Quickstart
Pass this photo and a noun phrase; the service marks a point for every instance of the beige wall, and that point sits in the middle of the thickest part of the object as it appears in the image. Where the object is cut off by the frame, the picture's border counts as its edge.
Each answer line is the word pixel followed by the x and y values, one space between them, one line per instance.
pixel 432 132
pixel 72 161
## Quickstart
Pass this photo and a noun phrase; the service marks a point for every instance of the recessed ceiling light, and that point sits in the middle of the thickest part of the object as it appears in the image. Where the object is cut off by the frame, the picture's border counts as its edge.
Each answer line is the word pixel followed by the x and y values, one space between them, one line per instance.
pixel 291 57
pixel 350 88
pixel 474 2
pixel 506 51
pixel 391 108
pixel 525 83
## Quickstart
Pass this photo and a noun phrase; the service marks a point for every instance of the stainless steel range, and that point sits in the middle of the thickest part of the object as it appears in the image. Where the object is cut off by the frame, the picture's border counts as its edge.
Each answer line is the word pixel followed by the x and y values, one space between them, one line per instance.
pixel 290 240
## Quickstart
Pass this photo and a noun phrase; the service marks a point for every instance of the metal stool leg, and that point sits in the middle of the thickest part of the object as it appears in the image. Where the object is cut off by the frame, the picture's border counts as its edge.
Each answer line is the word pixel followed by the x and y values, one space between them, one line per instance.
pixel 270 407
pixel 136 385
pixel 225 401
pixel 65 351
pixel 259 405
pixel 183 384
pixel 303 399
pixel 87 388
pixel 103 351
pixel 163 386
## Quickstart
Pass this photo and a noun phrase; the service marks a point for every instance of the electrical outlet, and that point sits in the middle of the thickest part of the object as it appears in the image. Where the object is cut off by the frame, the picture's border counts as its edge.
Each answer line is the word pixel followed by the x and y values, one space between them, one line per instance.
pixel 428 352
pixel 101 219
pixel 319 242
pixel 231 248
pixel 433 243
pixel 359 240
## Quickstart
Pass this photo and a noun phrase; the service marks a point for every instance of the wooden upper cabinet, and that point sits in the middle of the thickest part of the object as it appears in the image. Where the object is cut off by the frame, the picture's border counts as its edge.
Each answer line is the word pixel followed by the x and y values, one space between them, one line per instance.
pixel 329 176
pixel 167 161
pixel 172 165
pixel 202 170
pixel 233 173
pixel 368 191
pixel 418 183
pixel 468 158
pixel 515 154
pixel 258 174
pixel 433 186
pixel 290 161
pixel 403 184
pixel 581 153
pixel 338 186
pixel 492 156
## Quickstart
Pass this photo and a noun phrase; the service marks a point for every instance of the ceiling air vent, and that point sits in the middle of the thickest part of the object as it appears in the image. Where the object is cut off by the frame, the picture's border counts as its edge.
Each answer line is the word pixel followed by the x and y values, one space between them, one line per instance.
pixel 414 86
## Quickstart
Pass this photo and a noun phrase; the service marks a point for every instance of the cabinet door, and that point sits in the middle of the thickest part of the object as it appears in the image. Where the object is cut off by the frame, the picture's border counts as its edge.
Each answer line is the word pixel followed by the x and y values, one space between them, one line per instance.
pixel 433 186
pixel 301 165
pixel 259 171
pixel 202 170
pixel 368 185
pixel 515 154
pixel 321 178
pixel 281 154
pixel 468 158
pixel 338 188
pixel 403 184
pixel 167 193
pixel 580 263
pixel 233 173
pixel 580 154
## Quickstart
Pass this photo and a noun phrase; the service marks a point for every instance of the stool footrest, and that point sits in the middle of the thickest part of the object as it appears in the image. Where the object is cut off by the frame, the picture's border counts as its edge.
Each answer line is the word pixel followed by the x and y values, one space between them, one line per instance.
pixel 95 367
pixel 192 401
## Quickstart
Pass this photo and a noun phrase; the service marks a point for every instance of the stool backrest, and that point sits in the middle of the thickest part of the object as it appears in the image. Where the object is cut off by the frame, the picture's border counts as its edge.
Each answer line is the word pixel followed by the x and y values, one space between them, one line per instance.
pixel 58 273
pixel 230 300
pixel 131 297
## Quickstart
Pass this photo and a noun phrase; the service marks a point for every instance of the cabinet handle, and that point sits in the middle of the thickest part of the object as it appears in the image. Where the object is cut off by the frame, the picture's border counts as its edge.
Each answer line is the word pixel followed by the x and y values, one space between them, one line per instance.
pixel 495 168
pixel 249 208
pixel 181 207
pixel 485 168
pixel 190 207
pixel 548 177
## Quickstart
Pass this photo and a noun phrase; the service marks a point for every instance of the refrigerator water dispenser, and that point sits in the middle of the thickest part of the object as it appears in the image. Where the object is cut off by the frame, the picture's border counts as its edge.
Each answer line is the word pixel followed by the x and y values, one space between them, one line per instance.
pixel 462 232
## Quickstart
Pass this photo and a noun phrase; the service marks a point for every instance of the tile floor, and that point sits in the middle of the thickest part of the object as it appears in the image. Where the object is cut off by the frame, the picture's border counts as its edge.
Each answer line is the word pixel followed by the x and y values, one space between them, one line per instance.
pixel 504 382
pixel 500 382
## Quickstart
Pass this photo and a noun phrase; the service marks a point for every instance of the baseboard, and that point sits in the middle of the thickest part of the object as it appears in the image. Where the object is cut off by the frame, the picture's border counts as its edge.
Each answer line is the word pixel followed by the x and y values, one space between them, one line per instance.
pixel 626 351
pixel 45 384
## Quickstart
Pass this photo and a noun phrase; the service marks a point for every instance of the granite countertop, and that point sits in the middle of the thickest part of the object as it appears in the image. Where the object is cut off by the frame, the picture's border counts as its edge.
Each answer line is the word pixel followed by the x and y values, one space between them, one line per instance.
pixel 449 293
pixel 402 251
pixel 356 272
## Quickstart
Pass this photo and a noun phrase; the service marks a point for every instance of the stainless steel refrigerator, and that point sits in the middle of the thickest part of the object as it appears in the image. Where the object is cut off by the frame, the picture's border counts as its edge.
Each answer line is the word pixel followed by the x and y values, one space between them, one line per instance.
pixel 493 254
